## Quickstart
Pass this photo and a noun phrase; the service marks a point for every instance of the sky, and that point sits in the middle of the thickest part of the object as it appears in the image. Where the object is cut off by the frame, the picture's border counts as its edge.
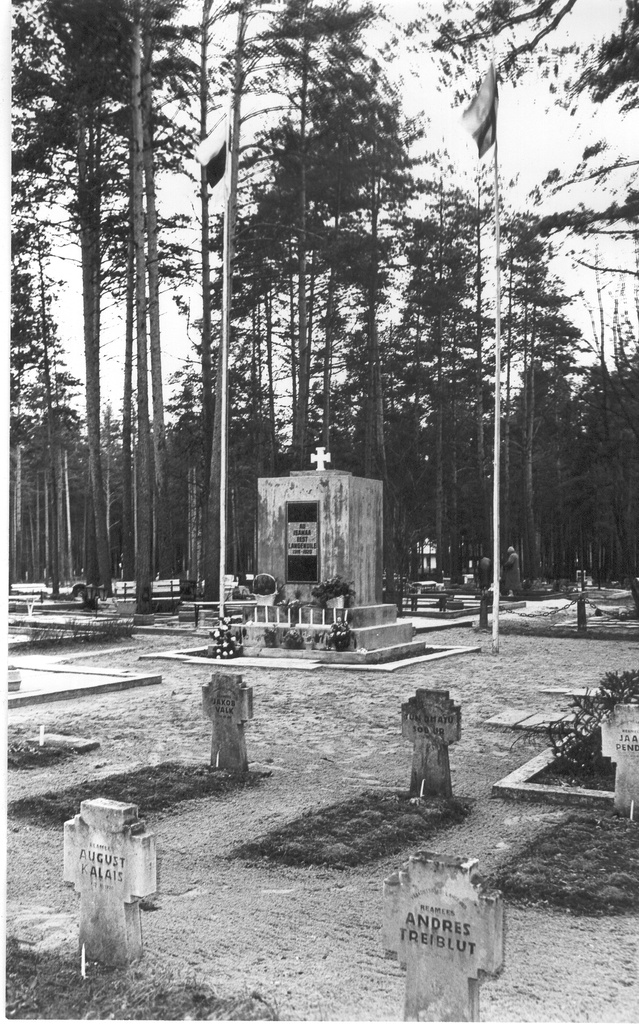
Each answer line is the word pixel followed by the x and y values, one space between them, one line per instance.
pixel 535 136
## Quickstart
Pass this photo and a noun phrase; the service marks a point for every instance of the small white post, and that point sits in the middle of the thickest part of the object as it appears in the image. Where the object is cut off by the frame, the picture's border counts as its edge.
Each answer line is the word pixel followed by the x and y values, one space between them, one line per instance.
pixel 255 614
pixel 217 760
pixel 41 735
pixel 421 792
pixel 289 618
pixel 632 810
pixel 323 616
pixel 83 963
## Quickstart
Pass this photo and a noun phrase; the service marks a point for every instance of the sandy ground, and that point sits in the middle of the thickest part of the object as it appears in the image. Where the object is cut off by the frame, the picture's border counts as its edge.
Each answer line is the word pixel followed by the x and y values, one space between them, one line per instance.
pixel 308 939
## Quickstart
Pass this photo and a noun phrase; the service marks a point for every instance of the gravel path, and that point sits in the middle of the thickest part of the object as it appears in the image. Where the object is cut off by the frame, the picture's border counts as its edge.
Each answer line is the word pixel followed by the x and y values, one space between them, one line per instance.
pixel 309 939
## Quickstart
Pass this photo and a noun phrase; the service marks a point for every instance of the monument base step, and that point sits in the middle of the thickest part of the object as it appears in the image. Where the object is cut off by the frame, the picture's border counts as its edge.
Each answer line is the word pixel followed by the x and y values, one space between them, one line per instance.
pixel 369 637
pixel 413 649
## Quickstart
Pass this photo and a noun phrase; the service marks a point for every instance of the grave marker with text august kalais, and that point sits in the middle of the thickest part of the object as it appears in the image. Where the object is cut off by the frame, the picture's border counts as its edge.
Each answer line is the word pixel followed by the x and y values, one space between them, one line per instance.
pixel 620 742
pixel 431 720
pixel 111 860
pixel 228 702
pixel 445 930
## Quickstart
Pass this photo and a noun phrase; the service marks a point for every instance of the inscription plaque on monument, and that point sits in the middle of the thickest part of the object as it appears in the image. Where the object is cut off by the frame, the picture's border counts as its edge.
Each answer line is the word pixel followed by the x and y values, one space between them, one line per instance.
pixel 302 554
pixel 431 720
pixel 111 860
pixel 228 702
pixel 620 742
pixel 445 930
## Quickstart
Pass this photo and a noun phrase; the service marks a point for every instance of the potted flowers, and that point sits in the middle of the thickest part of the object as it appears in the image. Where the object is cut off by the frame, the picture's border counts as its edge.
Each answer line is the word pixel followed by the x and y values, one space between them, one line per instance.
pixel 339 636
pixel 293 640
pixel 270 636
pixel 335 592
pixel 265 588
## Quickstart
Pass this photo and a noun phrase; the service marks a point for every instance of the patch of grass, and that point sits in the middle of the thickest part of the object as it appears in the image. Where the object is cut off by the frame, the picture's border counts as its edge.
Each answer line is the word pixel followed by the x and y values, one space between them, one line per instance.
pixel 22 755
pixel 49 986
pixel 585 865
pixel 77 630
pixel 362 829
pixel 597 775
pixel 153 789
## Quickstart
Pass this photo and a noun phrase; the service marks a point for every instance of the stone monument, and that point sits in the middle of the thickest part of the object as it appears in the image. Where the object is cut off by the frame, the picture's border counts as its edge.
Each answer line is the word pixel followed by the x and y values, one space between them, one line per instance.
pixel 319 523
pixel 446 931
pixel 431 720
pixel 228 702
pixel 111 860
pixel 620 742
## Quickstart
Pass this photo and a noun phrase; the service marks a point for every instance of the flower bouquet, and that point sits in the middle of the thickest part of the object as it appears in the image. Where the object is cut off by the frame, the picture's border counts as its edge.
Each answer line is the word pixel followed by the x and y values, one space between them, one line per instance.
pixel 224 644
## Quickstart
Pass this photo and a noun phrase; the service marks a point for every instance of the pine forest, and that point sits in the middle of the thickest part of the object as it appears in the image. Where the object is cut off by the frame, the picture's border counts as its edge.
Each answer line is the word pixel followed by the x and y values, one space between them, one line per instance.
pixel 362 301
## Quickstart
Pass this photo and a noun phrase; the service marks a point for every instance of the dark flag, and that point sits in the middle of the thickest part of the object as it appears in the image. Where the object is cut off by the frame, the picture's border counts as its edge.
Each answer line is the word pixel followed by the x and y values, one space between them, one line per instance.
pixel 481 117
pixel 212 152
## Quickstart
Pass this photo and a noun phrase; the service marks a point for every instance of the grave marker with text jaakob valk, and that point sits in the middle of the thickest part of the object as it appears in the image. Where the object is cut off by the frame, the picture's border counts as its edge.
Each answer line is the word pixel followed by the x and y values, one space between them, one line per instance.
pixel 431 721
pixel 111 860
pixel 446 931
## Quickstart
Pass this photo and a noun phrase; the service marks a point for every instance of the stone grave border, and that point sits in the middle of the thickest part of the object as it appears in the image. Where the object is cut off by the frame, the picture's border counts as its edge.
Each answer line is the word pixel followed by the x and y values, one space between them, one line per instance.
pixel 517 786
pixel 309 664
pixel 117 680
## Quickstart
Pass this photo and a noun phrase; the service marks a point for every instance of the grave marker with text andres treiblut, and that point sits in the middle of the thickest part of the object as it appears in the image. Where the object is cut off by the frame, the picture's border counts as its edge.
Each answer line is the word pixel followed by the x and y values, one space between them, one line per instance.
pixel 431 721
pixel 111 860
pixel 445 930
pixel 228 702
pixel 620 742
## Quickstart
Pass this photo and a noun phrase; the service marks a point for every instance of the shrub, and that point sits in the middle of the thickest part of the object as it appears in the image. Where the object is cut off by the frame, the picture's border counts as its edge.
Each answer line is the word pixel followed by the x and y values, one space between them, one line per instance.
pixel 576 743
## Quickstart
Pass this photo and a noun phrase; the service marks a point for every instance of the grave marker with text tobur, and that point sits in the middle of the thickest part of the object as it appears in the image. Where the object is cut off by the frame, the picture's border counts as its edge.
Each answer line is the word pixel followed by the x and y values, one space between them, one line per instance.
pixel 620 742
pixel 431 721
pixel 111 860
pixel 445 930
pixel 228 702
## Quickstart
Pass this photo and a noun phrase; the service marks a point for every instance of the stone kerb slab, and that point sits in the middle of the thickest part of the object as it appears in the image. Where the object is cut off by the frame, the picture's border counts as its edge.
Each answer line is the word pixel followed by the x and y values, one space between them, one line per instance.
pixel 431 720
pixel 446 930
pixel 620 742
pixel 228 702
pixel 111 861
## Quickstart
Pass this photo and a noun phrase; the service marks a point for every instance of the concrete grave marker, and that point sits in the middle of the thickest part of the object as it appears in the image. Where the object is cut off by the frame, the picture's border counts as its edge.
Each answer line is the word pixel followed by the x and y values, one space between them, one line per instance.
pixel 620 742
pixel 228 702
pixel 111 860
pixel 431 721
pixel 445 930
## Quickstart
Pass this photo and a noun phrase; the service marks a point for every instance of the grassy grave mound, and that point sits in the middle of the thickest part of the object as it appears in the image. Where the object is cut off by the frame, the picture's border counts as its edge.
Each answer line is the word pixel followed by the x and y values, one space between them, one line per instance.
pixel 43 634
pixel 152 788
pixel 22 755
pixel 49 986
pixel 355 831
pixel 585 865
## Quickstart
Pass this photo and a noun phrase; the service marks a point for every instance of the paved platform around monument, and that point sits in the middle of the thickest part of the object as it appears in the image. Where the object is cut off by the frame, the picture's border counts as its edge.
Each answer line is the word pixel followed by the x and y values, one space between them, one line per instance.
pixel 195 657
pixel 43 680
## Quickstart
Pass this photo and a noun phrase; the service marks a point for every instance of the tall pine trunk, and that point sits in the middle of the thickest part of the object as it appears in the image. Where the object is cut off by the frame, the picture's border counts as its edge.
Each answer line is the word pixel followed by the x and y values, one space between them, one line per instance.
pixel 143 461
pixel 164 555
pixel 88 162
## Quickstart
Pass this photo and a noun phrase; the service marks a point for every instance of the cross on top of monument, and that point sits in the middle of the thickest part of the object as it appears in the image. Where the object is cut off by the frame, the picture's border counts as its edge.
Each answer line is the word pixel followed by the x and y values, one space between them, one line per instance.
pixel 320 457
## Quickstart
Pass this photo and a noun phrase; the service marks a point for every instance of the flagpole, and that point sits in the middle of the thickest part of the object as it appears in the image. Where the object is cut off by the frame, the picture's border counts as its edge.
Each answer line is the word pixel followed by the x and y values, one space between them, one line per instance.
pixel 224 371
pixel 497 441
pixel 230 184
